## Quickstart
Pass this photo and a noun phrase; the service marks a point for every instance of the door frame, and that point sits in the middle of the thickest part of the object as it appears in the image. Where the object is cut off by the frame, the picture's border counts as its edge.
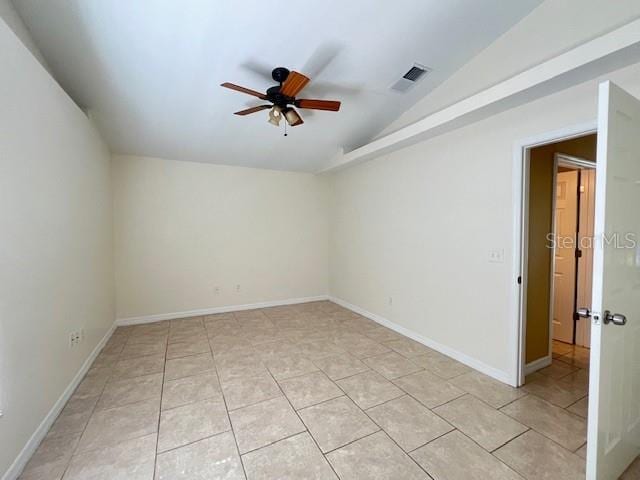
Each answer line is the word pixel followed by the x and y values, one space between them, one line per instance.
pixel 521 161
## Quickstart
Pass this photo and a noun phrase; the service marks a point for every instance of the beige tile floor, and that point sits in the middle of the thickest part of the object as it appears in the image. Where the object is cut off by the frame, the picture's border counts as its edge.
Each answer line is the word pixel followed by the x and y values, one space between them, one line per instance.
pixel 311 391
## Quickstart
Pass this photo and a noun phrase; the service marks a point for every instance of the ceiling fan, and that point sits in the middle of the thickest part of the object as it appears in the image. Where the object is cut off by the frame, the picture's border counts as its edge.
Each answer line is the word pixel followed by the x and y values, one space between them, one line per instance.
pixel 283 98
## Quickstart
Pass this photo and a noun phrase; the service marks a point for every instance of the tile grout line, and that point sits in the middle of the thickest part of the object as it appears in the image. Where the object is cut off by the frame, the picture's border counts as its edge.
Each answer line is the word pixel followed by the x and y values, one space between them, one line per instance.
pixel 404 394
pixel 351 442
pixel 276 441
pixel 140 400
pixel 576 450
pixel 233 410
pixel 438 406
pixel 324 401
pixel 205 399
pixel 95 449
pixel 297 375
pixel 487 451
pixel 528 428
pixel 368 369
pixel 306 427
pixel 442 404
pixel 453 429
pixel 375 423
pixel 191 442
pixel 396 443
pixel 543 434
pixel 164 371
pixel 547 438
pixel 510 440
pixel 513 469
pixel 565 409
pixel 224 399
pixel 526 394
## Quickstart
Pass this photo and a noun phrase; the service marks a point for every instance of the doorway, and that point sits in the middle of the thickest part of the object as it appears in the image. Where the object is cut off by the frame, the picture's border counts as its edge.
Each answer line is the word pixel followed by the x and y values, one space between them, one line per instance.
pixel 558 225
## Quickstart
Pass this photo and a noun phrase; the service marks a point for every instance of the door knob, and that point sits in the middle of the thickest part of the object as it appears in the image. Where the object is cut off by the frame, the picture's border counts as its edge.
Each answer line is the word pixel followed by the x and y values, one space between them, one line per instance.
pixel 584 312
pixel 615 318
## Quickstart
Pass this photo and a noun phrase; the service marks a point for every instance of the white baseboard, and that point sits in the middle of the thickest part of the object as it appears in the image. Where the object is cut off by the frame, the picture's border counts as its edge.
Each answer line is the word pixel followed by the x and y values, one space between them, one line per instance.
pixel 25 454
pixel 450 352
pixel 536 365
pixel 213 310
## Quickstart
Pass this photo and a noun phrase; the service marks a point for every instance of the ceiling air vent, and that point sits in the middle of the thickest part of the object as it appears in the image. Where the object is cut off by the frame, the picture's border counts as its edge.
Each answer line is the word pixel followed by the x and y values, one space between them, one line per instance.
pixel 407 81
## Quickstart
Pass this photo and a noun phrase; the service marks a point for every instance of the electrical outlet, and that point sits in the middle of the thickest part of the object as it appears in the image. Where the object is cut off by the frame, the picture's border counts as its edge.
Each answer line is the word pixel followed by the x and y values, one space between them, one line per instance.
pixel 216 290
pixel 390 301
pixel 238 288
pixel 496 256
pixel 75 338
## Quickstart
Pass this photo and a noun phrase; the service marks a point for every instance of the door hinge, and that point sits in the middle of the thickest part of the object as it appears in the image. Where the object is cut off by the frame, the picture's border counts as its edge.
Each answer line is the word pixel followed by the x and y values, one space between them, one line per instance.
pixel 519 280
pixel 578 253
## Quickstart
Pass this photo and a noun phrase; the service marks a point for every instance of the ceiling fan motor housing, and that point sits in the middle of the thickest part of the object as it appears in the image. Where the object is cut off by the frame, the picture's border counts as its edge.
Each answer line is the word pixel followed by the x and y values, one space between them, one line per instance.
pixel 280 74
pixel 278 99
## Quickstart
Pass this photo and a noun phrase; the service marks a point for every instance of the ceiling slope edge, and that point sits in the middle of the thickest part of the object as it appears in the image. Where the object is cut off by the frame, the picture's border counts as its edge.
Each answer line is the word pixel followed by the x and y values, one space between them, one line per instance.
pixel 609 52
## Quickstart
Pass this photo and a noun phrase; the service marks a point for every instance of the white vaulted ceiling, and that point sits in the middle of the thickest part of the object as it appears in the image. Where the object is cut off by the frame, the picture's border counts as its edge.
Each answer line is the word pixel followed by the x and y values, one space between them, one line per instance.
pixel 149 70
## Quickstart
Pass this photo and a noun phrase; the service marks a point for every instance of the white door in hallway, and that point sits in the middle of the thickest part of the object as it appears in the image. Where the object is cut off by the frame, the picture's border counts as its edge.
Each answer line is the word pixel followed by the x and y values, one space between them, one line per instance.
pixel 585 262
pixel 564 274
pixel 614 395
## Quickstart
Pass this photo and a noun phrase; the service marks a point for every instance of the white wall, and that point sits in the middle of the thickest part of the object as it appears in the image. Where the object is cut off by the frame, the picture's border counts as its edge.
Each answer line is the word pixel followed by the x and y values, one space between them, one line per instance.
pixel 418 224
pixel 56 242
pixel 183 228
pixel 549 30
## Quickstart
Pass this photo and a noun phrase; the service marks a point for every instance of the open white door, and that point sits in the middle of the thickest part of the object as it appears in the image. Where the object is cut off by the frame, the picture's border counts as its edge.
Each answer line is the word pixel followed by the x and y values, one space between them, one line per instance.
pixel 564 271
pixel 614 395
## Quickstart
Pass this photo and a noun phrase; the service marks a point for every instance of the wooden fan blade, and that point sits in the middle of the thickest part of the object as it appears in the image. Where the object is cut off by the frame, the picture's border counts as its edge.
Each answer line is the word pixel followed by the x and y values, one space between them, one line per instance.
pixel 248 91
pixel 253 110
pixel 293 84
pixel 331 105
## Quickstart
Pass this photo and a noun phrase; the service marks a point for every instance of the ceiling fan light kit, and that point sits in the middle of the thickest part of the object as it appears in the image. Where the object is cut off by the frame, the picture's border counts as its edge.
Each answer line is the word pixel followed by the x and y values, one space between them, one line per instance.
pixel 283 98
pixel 292 117
pixel 275 116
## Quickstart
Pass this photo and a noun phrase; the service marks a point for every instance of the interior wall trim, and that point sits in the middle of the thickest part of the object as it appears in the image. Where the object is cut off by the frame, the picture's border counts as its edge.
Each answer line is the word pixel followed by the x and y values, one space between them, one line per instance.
pixel 213 310
pixel 536 365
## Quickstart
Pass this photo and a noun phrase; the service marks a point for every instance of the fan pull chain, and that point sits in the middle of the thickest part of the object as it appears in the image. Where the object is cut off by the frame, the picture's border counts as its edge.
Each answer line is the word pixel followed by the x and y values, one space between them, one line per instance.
pixel 285 129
